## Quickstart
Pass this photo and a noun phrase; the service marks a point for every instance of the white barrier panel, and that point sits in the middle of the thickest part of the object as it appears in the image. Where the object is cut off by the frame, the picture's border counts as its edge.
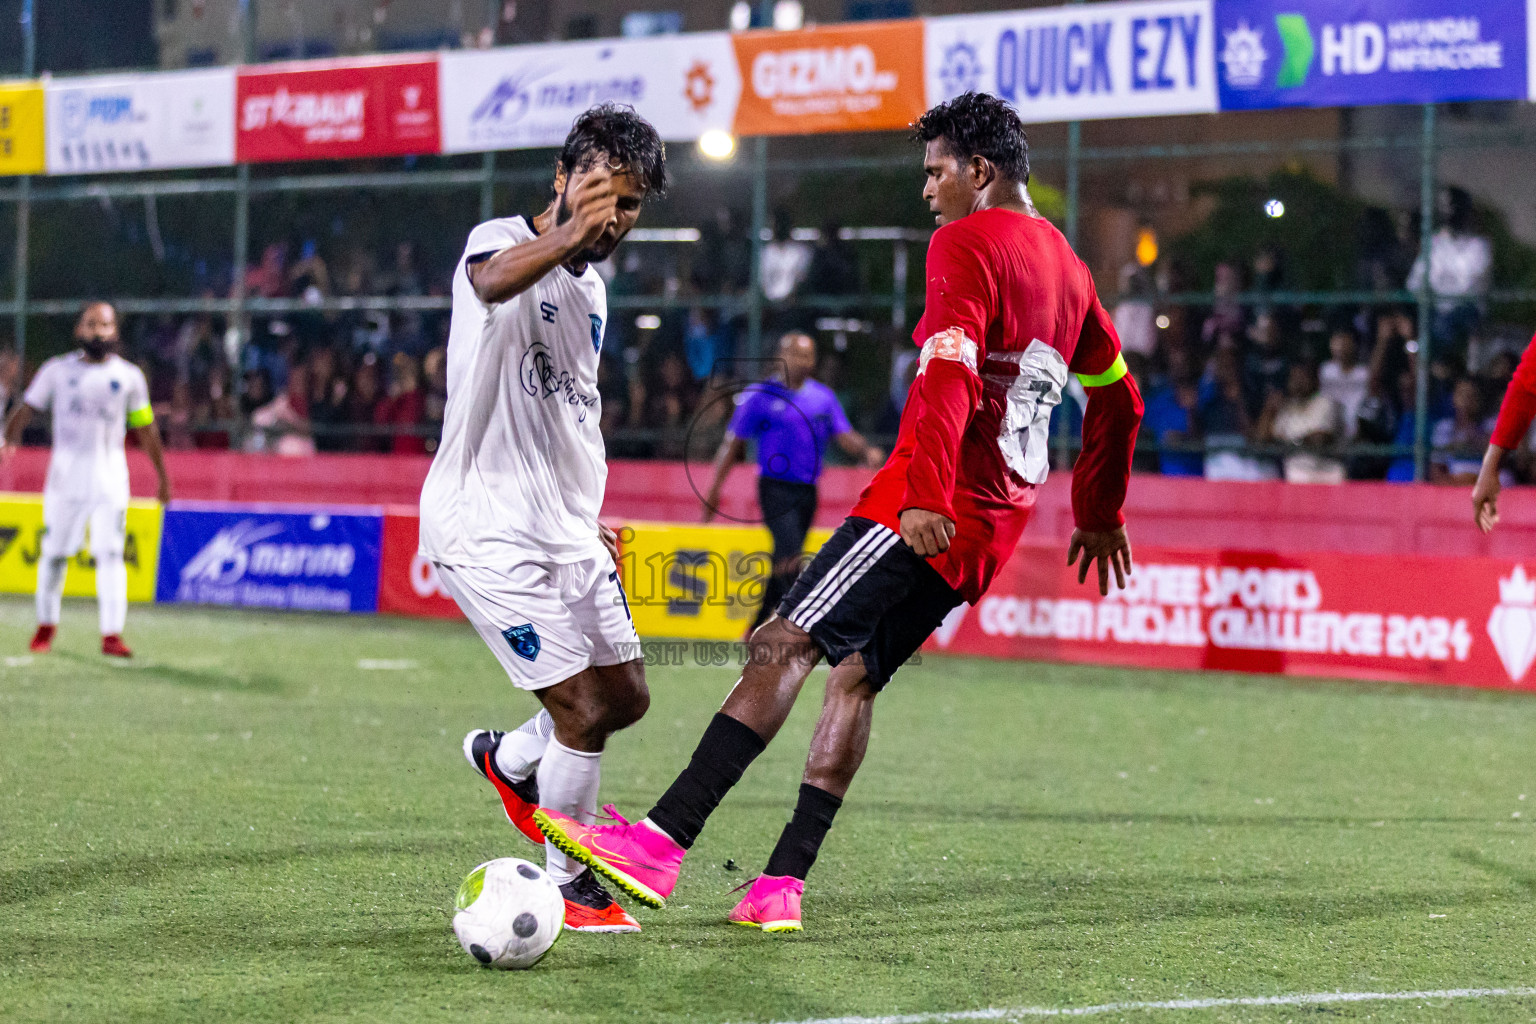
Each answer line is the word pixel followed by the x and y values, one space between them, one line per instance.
pixel 527 96
pixel 1080 62
pixel 141 122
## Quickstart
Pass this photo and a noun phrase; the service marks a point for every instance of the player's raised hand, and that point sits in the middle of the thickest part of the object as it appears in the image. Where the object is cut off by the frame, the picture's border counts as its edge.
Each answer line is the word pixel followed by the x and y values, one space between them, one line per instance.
pixel 927 533
pixel 1112 550
pixel 594 206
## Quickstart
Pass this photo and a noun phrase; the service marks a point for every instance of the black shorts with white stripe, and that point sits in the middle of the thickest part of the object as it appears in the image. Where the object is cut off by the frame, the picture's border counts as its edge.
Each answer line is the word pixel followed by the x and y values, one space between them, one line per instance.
pixel 867 593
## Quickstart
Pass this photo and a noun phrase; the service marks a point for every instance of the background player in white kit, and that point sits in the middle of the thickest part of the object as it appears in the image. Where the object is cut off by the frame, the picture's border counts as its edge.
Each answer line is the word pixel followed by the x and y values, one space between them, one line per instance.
pixel 509 509
pixel 95 396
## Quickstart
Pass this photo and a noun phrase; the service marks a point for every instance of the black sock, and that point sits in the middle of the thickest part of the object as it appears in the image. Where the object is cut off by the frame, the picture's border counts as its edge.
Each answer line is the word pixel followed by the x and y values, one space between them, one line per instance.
pixel 718 761
pixel 801 839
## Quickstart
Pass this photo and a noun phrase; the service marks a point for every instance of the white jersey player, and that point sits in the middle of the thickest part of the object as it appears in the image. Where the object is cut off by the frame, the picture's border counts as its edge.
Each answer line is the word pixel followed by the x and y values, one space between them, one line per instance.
pixel 509 511
pixel 95 396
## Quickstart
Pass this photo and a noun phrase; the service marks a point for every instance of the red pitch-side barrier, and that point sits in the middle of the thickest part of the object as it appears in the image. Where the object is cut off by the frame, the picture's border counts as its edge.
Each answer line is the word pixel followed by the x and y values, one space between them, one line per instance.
pixel 1363 518
pixel 1370 581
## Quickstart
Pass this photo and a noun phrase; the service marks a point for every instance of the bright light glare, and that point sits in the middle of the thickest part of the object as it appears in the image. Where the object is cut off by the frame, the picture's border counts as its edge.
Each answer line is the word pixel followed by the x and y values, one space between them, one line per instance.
pixel 717 144
pixel 741 16
pixel 1163 321
pixel 788 15
pixel 648 321
pixel 1274 208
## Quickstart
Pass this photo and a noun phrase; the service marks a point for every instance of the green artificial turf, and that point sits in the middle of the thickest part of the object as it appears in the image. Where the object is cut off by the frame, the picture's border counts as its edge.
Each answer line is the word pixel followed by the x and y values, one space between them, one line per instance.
pixel 244 824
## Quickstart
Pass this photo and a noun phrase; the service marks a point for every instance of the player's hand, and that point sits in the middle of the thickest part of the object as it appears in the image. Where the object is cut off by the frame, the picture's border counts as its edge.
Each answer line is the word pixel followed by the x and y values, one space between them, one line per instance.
pixel 163 495
pixel 594 205
pixel 874 458
pixel 610 541
pixel 1111 550
pixel 1485 493
pixel 927 533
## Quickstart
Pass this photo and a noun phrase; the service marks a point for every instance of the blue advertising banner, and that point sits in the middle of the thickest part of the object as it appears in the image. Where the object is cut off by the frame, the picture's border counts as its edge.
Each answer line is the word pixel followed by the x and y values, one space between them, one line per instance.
pixel 1333 53
pixel 1139 58
pixel 255 556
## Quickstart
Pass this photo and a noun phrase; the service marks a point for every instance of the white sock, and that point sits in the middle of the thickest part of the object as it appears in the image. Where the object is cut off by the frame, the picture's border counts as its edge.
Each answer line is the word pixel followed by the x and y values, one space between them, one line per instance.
pixel 520 751
pixel 50 589
pixel 112 593
pixel 568 781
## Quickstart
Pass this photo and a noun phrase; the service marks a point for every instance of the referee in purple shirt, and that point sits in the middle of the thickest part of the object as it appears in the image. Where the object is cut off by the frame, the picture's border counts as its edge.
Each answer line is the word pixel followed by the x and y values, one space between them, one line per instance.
pixel 792 418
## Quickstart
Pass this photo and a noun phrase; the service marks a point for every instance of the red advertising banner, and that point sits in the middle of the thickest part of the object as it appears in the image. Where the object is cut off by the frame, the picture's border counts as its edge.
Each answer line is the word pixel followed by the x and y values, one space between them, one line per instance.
pixel 408 584
pixel 337 109
pixel 1453 621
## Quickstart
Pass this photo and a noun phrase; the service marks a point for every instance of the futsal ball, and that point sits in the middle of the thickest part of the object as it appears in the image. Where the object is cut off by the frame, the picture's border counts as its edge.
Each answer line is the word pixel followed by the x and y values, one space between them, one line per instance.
pixel 508 913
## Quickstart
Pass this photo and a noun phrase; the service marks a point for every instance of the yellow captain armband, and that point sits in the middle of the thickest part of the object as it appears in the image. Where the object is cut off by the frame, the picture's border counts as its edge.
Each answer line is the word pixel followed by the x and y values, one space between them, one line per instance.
pixel 141 417
pixel 1117 369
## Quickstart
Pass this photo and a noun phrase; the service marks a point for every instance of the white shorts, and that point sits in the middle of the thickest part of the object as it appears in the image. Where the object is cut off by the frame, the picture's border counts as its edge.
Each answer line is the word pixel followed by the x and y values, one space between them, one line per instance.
pixel 547 622
pixel 65 523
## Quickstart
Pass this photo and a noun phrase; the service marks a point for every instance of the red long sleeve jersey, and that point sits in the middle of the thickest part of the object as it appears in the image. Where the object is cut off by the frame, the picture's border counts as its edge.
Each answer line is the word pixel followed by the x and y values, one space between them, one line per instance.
pixel 1519 406
pixel 1010 312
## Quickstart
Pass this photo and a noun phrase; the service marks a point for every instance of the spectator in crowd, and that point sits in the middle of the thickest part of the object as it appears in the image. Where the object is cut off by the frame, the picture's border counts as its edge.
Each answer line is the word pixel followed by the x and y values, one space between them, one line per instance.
pixel 706 341
pixel 1460 269
pixel 177 417
pixel 785 261
pixel 363 401
pixel 268 279
pixel 1401 469
pixel 1266 369
pixel 404 278
pixel 668 398
pixel 1227 315
pixel 327 401
pixel 723 261
pixel 1134 316
pixel 434 367
pixel 1308 421
pixel 404 408
pixel 1223 413
pixel 1172 416
pixel 834 268
pixel 281 427
pixel 1460 438
pixel 215 406
pixel 1345 379
pixel 309 279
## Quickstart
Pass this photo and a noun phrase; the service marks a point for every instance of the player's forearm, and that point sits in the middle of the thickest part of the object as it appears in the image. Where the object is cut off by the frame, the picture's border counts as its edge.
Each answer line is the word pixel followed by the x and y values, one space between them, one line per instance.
pixel 947 394
pixel 730 453
pixel 1103 469
pixel 514 270
pixel 17 424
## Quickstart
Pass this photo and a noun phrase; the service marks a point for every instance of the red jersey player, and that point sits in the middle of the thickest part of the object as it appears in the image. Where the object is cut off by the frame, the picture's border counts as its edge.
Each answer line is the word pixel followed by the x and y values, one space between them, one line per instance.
pixel 1010 312
pixel 1515 417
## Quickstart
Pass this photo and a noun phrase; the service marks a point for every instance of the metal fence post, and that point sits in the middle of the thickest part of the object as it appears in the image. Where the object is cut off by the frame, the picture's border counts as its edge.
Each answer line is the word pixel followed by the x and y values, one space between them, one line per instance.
pixel 24 200
pixel 1074 173
pixel 759 225
pixel 1426 297
pixel 488 187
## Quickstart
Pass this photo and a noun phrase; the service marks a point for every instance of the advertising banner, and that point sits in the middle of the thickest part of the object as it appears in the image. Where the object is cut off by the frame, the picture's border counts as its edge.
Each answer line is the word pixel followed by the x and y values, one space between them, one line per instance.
pixel 527 96
pixel 1328 53
pixel 408 583
pixel 854 78
pixel 21 128
pixel 1457 621
pixel 141 122
pixel 21 536
pixel 1080 62
pixel 700 582
pixel 270 556
pixel 330 110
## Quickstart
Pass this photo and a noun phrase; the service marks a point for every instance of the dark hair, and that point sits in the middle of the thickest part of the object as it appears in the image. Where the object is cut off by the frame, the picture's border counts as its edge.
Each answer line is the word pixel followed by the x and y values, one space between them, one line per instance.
pixel 979 124
pixel 615 131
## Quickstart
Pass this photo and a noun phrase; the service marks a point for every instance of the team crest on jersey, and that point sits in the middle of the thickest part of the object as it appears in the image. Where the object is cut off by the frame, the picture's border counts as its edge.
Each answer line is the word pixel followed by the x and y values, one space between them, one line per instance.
pixel 116 386
pixel 524 641
pixel 597 331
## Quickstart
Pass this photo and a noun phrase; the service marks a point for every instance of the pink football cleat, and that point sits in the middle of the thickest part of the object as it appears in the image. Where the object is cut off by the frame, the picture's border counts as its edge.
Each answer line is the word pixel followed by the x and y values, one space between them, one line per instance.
pixel 641 860
pixel 772 904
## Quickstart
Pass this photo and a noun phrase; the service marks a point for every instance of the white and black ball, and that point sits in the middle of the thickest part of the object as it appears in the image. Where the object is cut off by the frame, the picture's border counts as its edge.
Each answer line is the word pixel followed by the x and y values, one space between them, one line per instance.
pixel 508 913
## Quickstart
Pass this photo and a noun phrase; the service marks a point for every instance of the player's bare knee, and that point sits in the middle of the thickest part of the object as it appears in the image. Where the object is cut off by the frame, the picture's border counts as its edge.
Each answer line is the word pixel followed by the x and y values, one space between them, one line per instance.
pixel 779 641
pixel 626 697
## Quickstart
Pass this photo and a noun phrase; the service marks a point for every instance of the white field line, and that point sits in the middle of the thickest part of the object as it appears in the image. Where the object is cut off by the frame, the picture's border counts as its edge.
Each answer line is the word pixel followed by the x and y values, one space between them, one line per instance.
pixel 1012 1013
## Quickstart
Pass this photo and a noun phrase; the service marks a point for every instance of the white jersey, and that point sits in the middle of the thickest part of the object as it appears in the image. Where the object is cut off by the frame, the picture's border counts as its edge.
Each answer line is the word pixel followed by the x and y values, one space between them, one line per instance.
pixel 93 405
pixel 520 473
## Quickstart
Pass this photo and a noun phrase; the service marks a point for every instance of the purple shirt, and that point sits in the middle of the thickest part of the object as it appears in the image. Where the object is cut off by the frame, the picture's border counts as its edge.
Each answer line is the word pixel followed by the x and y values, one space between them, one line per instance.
pixel 791 427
